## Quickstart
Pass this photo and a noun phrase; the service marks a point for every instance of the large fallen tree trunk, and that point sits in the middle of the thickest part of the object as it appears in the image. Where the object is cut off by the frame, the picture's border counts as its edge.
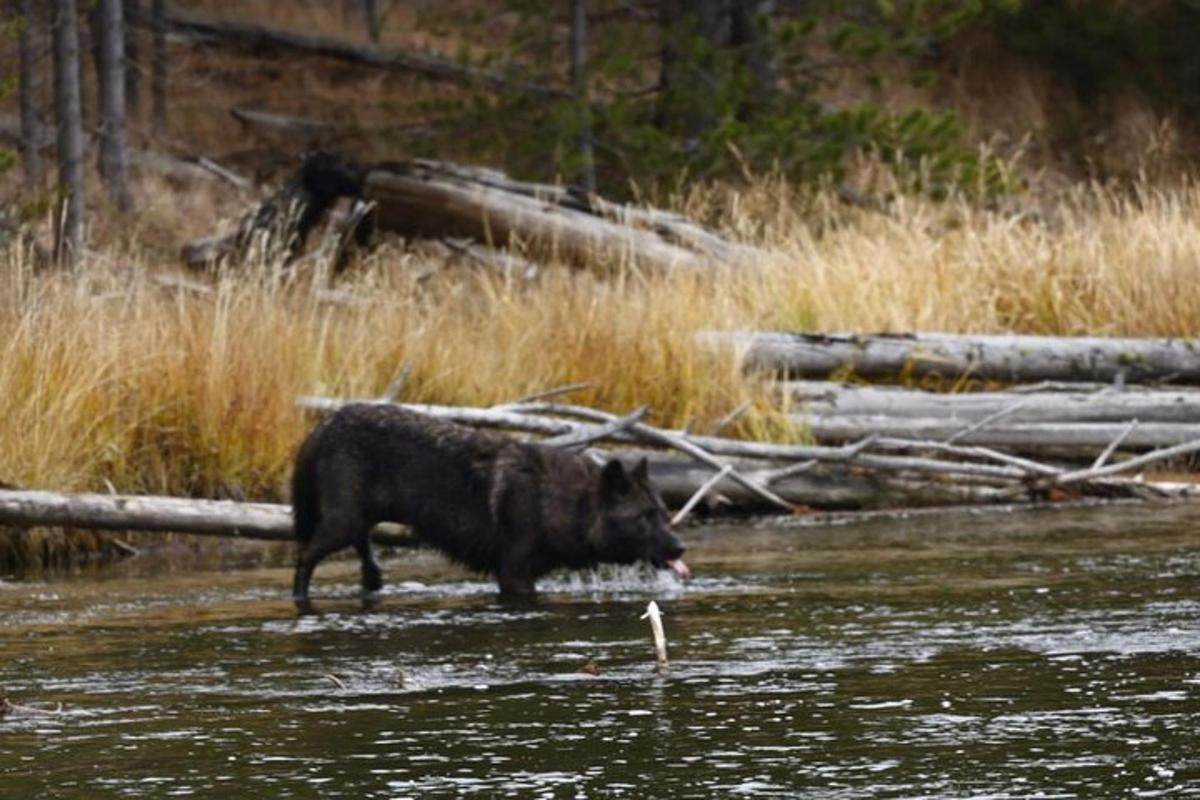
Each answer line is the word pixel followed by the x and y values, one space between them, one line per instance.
pixel 677 479
pixel 428 199
pixel 826 400
pixel 266 521
pixel 1049 437
pixel 259 39
pixel 996 357
pixel 901 467
pixel 421 199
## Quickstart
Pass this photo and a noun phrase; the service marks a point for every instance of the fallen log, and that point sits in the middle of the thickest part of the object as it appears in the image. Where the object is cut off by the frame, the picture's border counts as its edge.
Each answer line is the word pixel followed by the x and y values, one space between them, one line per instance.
pixel 1012 358
pixel 265 521
pixel 259 39
pixel 460 206
pixel 979 473
pixel 422 199
pixel 671 227
pixel 1055 437
pixel 517 417
pixel 828 400
pixel 826 487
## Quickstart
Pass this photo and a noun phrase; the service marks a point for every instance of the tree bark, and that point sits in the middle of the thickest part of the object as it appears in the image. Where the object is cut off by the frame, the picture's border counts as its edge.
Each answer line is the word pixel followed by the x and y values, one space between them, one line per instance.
pixel 826 400
pixel 30 92
pixel 159 66
pixel 1014 358
pixel 114 158
pixel 69 238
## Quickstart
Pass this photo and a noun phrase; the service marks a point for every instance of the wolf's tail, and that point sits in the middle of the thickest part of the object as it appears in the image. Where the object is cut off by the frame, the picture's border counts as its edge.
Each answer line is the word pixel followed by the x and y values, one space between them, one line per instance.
pixel 306 510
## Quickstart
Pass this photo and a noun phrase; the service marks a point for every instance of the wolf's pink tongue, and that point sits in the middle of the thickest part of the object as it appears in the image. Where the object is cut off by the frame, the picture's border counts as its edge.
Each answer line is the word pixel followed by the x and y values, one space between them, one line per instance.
pixel 679 568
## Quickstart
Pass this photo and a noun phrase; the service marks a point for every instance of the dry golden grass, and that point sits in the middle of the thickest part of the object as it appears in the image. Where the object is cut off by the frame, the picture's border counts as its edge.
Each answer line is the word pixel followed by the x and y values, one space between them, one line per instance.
pixel 108 378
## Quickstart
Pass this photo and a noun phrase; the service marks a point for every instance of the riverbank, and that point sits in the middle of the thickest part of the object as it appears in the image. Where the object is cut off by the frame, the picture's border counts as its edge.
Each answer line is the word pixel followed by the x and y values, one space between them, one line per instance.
pixel 114 379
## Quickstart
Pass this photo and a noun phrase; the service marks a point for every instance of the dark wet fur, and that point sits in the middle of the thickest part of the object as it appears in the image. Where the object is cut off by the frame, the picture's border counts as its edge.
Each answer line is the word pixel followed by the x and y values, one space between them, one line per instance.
pixel 512 509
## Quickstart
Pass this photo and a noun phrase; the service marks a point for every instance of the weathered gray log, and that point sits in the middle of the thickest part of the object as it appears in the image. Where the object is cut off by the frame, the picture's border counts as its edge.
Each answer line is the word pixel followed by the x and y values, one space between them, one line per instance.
pixel 824 487
pixel 420 199
pixel 996 357
pixel 427 199
pixel 268 521
pixel 671 227
pixel 823 399
pixel 515 419
pixel 1057 437
pixel 256 38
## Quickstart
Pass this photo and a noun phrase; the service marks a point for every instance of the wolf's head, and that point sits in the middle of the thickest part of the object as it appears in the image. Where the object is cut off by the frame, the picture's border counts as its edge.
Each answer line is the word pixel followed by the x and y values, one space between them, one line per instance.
pixel 634 524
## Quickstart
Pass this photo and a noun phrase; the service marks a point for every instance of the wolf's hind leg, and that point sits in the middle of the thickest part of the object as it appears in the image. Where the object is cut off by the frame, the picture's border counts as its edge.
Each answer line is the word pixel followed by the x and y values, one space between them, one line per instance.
pixel 372 576
pixel 333 533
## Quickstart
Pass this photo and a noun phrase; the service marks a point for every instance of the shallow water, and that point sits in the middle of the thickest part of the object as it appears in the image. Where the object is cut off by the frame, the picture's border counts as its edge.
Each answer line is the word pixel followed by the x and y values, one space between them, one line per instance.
pixel 1046 655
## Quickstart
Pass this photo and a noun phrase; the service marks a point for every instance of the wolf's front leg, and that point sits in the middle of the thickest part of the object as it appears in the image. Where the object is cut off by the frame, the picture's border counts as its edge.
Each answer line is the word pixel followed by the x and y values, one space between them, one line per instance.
pixel 515 577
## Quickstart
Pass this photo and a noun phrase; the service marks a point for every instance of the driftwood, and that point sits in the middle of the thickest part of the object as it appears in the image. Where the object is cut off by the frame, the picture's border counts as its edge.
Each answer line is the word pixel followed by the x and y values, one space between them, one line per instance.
pixel 266 39
pixel 671 227
pixel 425 199
pixel 1004 358
pixel 1056 437
pixel 868 474
pixel 1108 404
pixel 472 211
pixel 897 471
pixel 265 521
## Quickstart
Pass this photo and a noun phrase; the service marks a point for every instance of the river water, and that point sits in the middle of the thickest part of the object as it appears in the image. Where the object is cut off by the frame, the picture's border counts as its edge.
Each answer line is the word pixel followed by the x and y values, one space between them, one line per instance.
pixel 1038 655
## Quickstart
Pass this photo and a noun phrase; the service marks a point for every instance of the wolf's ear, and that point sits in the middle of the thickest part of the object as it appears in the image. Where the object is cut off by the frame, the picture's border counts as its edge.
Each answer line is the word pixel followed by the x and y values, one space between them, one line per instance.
pixel 614 480
pixel 641 471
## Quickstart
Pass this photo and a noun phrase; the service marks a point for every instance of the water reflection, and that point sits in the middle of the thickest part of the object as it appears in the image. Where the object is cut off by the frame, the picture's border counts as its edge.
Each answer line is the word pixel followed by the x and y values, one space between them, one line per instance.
pixel 1041 657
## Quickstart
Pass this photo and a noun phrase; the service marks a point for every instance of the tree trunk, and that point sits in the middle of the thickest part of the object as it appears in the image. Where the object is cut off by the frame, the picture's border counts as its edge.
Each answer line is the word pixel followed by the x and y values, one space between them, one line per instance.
pixel 133 66
pixel 158 67
pixel 114 158
pixel 693 32
pixel 996 357
pixel 30 92
pixel 753 48
pixel 69 238
pixel 372 18
pixel 579 82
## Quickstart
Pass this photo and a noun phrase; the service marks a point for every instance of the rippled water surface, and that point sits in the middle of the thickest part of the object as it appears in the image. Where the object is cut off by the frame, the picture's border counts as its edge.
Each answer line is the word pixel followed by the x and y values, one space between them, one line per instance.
pixel 1048 655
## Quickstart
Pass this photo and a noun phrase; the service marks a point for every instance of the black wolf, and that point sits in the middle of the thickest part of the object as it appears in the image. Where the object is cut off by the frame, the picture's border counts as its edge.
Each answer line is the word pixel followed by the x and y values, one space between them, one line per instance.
pixel 513 509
